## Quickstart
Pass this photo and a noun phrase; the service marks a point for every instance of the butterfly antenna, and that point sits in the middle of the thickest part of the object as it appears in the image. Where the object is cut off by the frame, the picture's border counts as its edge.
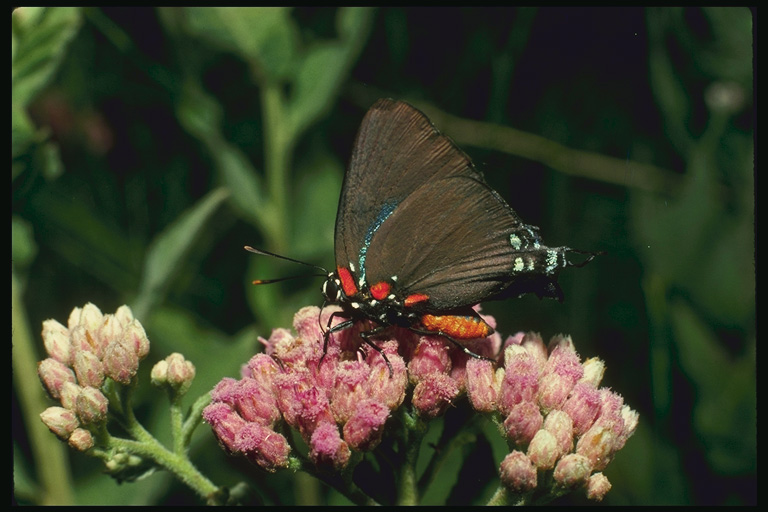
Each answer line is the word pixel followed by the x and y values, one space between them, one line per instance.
pixel 270 281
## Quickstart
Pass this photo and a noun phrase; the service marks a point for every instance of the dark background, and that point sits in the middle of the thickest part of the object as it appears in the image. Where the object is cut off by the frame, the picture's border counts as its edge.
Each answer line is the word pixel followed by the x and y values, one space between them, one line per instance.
pixel 147 157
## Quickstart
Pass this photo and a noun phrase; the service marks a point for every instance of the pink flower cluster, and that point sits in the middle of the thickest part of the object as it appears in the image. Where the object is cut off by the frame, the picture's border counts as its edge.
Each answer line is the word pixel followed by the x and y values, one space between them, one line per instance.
pixel 338 401
pixel 92 348
pixel 553 412
pixel 548 402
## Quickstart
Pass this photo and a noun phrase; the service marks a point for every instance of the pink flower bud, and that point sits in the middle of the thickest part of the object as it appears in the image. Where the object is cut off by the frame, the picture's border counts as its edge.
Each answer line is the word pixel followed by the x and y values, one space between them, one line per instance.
pixel 263 446
pixel 69 393
pixel 89 317
pixel 572 471
pixel 120 363
pixel 522 423
pixel 583 406
pixel 57 342
pixel 81 440
pixel 364 429
pixel 431 356
pixel 560 425
pixel 91 406
pixel 380 385
pixel 89 369
pixel 482 386
pixel 53 374
pixel 256 403
pixel 135 338
pixel 562 371
pixel 534 344
pixel 262 369
pixel 327 447
pixel 544 450
pixel 597 445
pixel 518 472
pixel 124 315
pixel 60 421
pixel 594 369
pixel 598 486
pixel 82 341
pixel 434 394
pixel 226 424
pixel 181 372
pixel 521 378
pixel 110 330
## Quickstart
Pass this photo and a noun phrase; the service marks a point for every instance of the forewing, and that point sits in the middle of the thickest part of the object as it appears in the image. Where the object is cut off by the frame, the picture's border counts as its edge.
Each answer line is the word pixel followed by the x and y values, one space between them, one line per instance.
pixel 396 152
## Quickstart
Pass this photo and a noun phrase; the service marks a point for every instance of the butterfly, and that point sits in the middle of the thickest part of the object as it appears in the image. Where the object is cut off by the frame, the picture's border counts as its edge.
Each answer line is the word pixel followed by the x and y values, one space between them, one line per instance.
pixel 421 238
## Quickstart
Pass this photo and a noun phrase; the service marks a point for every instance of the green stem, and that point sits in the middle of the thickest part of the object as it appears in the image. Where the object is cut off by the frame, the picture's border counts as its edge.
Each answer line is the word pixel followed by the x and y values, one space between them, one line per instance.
pixel 413 433
pixel 278 143
pixel 49 454
pixel 178 464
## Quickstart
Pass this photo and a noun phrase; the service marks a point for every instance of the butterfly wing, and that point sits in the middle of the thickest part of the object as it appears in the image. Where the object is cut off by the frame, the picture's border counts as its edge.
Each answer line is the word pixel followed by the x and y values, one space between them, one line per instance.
pixel 397 150
pixel 457 242
pixel 414 212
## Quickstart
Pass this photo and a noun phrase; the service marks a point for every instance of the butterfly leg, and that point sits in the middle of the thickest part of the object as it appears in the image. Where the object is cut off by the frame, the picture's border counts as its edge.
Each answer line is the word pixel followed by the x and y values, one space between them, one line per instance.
pixel 366 335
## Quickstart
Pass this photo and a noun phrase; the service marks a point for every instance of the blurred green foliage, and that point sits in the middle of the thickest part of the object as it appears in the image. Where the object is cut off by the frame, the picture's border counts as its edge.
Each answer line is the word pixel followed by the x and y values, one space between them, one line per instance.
pixel 150 145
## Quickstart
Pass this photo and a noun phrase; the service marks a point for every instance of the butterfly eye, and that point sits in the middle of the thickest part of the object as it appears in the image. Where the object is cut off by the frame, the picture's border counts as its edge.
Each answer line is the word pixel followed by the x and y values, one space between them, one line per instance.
pixel 331 289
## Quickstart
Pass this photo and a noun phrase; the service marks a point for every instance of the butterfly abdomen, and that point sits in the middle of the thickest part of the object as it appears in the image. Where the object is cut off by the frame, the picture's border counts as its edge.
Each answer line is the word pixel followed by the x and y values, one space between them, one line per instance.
pixel 459 327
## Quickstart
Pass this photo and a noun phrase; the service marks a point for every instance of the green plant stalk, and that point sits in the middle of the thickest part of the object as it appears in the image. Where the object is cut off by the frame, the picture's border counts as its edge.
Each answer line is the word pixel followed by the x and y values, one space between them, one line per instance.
pixel 50 455
pixel 278 144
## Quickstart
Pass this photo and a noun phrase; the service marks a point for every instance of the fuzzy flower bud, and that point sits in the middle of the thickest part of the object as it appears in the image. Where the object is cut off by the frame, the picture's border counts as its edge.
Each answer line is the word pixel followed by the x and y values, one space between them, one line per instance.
pixel 583 406
pixel 562 371
pixel 560 425
pixel 518 472
pixel 81 440
pixel 89 369
pixel 181 372
pixel 263 446
pixel 433 395
pixel 327 447
pixel 572 471
pixel 56 341
pixel 598 486
pixel 431 356
pixel 594 369
pixel 544 450
pixel 53 374
pixel 364 429
pixel 521 378
pixel 482 388
pixel 135 338
pixel 69 393
pixel 60 421
pixel 91 406
pixel 522 423
pixel 120 363
pixel 225 422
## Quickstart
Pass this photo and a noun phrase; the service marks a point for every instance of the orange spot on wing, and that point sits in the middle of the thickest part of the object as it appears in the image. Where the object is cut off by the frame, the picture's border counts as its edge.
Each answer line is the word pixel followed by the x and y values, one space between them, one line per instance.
pixel 457 327
pixel 415 298
pixel 347 281
pixel 380 290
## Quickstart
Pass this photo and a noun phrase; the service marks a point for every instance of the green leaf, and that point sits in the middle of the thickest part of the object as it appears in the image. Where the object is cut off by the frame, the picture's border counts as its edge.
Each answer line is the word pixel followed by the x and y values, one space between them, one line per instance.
pixel 23 246
pixel 324 68
pixel 724 414
pixel 262 35
pixel 201 115
pixel 171 246
pixel 40 39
